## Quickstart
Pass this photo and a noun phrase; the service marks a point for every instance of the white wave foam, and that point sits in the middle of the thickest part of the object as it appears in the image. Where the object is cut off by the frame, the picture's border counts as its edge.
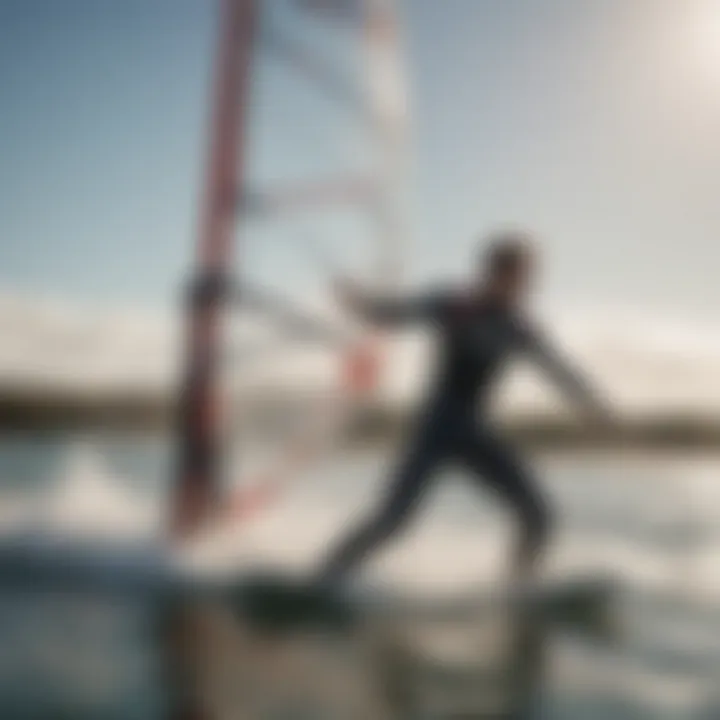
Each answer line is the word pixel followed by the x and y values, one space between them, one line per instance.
pixel 87 499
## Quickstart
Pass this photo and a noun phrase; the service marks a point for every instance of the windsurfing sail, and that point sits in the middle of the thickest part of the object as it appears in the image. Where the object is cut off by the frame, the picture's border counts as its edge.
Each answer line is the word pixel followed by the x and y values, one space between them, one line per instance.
pixel 321 196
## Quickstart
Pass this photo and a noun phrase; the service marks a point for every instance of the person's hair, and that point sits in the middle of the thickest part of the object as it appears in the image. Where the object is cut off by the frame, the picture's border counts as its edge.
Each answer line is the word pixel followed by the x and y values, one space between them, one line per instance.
pixel 506 252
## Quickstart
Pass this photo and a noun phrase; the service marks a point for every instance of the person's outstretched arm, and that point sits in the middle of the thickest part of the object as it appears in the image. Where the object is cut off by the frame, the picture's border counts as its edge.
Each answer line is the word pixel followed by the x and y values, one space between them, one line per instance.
pixel 387 311
pixel 568 378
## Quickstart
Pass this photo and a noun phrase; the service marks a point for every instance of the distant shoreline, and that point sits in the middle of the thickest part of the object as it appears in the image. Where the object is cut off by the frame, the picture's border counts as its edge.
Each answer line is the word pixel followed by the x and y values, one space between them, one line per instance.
pixel 53 409
pixel 138 411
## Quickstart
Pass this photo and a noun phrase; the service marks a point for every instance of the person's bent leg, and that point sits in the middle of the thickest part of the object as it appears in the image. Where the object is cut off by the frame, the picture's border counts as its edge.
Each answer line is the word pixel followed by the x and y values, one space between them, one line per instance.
pixel 534 534
pixel 499 466
pixel 394 512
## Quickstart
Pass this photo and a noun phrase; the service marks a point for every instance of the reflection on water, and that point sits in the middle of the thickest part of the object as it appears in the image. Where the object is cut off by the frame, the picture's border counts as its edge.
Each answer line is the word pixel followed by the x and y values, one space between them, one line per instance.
pixel 406 670
pixel 655 521
pixel 76 657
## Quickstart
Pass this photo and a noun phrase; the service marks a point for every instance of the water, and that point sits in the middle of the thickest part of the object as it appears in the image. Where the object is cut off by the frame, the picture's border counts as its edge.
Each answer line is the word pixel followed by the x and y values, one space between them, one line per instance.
pixel 654 521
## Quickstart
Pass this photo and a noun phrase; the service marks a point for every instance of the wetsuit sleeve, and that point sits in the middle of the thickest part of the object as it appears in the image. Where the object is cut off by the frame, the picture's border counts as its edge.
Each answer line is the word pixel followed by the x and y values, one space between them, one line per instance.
pixel 568 378
pixel 427 307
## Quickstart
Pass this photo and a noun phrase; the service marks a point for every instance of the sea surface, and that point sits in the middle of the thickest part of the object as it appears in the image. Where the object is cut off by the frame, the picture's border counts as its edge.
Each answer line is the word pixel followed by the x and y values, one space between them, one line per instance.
pixel 652 521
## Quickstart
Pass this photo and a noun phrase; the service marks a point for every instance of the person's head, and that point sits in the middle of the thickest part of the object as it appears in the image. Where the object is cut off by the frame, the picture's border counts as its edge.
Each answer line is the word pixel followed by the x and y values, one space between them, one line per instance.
pixel 507 264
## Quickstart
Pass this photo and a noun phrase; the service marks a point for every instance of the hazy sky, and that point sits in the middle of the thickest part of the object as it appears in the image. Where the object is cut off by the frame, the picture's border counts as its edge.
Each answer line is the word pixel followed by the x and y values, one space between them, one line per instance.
pixel 594 122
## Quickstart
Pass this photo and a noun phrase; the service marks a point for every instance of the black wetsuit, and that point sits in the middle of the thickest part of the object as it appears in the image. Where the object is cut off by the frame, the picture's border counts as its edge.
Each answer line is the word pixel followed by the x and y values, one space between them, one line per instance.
pixel 476 338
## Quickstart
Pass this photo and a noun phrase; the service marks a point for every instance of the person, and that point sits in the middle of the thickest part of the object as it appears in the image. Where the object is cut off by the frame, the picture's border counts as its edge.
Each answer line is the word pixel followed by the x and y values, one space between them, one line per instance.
pixel 478 330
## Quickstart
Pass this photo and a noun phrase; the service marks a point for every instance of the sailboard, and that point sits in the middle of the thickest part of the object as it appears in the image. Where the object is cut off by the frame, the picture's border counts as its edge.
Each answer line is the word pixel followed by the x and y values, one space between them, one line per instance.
pixel 583 602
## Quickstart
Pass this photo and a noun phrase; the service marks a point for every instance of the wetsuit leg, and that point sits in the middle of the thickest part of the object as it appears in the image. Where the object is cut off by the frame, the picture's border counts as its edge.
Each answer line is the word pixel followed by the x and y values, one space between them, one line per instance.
pixel 499 466
pixel 405 492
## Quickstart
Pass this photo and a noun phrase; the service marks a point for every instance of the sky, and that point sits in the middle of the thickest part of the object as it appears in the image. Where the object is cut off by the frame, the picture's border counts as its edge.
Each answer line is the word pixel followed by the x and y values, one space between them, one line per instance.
pixel 591 122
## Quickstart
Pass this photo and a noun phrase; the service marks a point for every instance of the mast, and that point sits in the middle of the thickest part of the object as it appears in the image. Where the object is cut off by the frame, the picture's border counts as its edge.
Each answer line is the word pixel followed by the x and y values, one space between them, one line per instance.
pixel 196 480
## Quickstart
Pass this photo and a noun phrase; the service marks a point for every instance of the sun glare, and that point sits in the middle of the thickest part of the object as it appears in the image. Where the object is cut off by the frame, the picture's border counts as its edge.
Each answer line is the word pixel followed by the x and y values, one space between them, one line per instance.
pixel 705 37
